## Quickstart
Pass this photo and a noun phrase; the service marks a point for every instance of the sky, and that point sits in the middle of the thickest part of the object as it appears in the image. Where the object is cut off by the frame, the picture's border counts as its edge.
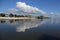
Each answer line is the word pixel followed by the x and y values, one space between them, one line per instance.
pixel 41 6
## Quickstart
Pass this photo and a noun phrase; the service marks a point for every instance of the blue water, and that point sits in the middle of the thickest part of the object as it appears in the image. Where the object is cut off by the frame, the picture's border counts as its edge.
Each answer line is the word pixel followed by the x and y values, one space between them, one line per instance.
pixel 35 29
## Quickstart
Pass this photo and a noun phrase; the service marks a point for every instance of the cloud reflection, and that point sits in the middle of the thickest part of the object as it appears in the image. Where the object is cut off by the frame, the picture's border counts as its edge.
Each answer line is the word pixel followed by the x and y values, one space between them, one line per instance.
pixel 29 24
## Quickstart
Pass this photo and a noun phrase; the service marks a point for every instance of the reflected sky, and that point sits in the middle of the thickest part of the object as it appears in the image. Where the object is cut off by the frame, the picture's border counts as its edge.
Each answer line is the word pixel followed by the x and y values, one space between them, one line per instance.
pixel 22 25
pixel 29 24
pixel 30 29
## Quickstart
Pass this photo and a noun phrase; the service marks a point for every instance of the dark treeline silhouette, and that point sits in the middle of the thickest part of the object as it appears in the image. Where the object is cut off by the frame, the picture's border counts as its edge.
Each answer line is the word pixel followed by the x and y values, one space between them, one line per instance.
pixel 2 15
pixel 40 17
pixel 15 15
pixel 12 15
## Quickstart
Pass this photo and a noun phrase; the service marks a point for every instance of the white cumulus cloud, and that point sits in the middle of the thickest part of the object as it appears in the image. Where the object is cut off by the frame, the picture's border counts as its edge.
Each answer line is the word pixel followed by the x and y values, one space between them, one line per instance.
pixel 24 8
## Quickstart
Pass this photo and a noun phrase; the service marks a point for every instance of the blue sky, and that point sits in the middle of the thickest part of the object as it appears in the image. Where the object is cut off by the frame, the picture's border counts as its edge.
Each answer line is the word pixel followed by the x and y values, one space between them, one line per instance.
pixel 45 5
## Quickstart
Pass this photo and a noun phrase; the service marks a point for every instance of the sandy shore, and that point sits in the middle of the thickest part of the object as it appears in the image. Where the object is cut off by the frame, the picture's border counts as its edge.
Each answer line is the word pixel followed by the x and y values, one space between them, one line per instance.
pixel 15 18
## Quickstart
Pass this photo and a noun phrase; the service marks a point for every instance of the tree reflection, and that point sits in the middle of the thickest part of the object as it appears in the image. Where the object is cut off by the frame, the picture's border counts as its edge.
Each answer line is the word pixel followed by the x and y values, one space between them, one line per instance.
pixel 11 21
pixel 2 21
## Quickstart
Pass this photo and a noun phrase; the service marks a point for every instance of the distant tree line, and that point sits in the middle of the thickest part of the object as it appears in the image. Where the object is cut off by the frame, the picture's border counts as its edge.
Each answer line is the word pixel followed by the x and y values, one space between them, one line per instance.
pixel 15 15
pixel 41 17
pixel 12 15
pixel 2 15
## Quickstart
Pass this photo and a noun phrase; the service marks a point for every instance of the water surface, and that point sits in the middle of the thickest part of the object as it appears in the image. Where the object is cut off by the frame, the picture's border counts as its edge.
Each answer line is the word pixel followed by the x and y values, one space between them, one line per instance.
pixel 31 29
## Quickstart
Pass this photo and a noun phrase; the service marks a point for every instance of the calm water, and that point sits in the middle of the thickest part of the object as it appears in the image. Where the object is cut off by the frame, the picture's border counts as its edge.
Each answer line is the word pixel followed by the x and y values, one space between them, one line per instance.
pixel 38 29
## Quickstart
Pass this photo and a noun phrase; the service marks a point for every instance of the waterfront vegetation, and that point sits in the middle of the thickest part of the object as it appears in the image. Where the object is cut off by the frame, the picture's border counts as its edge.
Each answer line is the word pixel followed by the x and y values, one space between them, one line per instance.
pixel 15 15
pixel 11 15
pixel 2 15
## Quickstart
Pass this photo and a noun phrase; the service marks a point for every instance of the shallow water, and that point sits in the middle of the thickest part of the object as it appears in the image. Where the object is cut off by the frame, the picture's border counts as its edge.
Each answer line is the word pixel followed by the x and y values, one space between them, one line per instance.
pixel 31 29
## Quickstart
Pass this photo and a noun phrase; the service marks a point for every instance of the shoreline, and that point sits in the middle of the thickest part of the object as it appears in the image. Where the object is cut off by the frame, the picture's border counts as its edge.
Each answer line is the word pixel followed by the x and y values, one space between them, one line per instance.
pixel 16 18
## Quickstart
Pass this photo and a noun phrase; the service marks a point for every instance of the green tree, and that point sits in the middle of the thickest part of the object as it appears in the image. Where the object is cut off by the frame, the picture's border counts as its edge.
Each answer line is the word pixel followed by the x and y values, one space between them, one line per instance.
pixel 40 17
pixel 2 15
pixel 11 15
